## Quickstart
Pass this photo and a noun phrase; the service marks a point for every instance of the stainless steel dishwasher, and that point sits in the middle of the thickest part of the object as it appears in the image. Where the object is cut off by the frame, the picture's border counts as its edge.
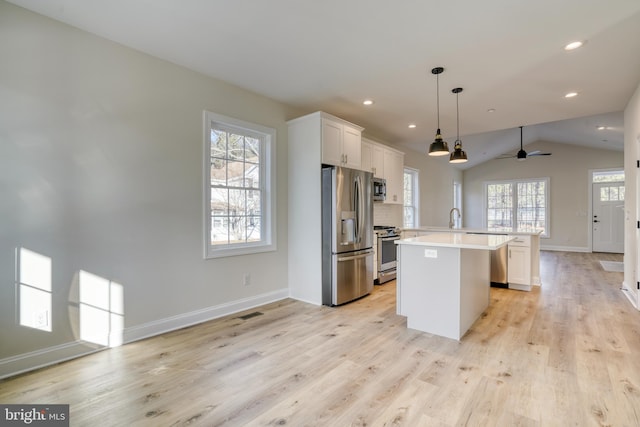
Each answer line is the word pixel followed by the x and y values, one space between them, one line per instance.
pixel 499 266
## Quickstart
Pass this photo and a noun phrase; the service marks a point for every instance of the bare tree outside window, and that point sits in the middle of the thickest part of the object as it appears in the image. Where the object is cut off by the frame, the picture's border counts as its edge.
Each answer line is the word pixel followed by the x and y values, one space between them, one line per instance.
pixel 518 205
pixel 236 214
pixel 410 208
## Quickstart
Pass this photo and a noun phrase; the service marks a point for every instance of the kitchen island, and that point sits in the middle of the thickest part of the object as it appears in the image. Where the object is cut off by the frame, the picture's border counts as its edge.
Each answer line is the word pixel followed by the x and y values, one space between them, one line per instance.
pixel 444 279
pixel 523 257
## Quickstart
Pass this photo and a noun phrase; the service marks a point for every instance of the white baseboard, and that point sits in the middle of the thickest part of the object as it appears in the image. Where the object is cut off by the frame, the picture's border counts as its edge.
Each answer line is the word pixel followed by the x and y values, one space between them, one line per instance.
pixel 565 248
pixel 631 294
pixel 25 362
pixel 194 317
pixel 33 360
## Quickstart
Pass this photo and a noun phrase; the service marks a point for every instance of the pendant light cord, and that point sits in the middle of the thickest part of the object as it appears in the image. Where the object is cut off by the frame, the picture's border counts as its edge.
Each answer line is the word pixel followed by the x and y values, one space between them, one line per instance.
pixel 457 118
pixel 438 99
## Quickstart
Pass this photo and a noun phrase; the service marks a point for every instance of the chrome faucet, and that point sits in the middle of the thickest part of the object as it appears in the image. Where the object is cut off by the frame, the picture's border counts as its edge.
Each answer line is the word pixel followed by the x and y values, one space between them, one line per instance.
pixel 451 223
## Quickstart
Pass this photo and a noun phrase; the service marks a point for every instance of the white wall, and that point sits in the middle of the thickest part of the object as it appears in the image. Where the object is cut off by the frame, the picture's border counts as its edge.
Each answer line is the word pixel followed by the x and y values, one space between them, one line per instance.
pixel 101 170
pixel 568 169
pixel 436 186
pixel 632 209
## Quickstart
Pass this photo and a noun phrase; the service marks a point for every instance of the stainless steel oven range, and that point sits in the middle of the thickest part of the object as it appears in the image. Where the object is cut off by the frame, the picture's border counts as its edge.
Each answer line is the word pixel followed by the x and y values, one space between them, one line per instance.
pixel 386 252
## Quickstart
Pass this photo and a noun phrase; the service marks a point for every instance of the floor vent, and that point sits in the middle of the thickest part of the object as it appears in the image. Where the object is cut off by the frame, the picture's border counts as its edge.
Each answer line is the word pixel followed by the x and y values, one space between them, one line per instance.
pixel 250 315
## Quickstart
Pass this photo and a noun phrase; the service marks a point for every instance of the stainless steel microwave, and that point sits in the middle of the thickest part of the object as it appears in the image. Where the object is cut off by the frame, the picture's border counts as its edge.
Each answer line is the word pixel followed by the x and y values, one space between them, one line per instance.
pixel 379 189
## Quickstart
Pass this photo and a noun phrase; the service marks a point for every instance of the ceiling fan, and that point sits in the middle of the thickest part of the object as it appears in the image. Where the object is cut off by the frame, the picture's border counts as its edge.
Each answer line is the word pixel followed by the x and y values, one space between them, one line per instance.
pixel 522 155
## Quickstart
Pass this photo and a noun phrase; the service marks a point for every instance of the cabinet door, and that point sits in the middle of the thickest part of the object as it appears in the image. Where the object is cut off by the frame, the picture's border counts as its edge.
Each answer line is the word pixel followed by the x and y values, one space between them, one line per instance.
pixel 394 174
pixel 366 164
pixel 331 142
pixel 519 267
pixel 352 147
pixel 377 161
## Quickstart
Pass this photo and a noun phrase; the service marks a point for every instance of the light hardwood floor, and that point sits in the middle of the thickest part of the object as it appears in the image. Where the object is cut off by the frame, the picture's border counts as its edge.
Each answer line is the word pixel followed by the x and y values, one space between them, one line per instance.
pixel 564 354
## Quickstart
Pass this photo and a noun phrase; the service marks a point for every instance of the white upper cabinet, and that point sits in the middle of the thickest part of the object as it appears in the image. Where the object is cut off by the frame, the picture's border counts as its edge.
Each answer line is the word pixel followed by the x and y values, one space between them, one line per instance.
pixel 366 153
pixel 387 163
pixel 341 143
pixel 377 161
pixel 394 175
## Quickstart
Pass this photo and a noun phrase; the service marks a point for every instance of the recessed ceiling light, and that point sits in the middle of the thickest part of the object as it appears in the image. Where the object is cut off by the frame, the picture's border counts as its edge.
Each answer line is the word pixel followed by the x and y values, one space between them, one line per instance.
pixel 412 126
pixel 367 102
pixel 571 94
pixel 602 127
pixel 573 45
pixel 491 110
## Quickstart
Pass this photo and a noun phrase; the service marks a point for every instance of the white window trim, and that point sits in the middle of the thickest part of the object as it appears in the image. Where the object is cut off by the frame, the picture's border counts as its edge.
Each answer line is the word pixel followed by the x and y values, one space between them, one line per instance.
pixel 547 198
pixel 268 177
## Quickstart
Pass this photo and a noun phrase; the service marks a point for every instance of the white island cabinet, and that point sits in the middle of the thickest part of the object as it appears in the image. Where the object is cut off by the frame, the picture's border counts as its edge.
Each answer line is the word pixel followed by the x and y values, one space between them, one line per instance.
pixel 444 279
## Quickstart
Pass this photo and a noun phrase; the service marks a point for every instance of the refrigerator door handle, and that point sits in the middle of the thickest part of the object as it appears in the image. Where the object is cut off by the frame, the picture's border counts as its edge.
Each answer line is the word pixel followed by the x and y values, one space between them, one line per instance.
pixel 359 207
pixel 351 258
pixel 356 206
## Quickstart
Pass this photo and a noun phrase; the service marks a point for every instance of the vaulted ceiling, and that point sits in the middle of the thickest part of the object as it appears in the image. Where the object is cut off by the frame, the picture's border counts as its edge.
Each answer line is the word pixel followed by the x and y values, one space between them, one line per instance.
pixel 330 55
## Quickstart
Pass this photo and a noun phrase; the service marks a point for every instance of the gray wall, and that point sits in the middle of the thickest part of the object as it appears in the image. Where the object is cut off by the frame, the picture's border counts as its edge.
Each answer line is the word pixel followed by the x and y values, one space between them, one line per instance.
pixel 101 170
pixel 568 170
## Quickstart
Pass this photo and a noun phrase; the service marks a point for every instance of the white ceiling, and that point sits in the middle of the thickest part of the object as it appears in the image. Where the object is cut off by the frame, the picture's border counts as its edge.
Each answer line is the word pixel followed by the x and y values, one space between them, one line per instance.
pixel 330 55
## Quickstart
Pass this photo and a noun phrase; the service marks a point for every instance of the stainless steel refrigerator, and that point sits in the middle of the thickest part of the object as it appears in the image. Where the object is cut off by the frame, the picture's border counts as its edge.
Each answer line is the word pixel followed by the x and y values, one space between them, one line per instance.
pixel 347 234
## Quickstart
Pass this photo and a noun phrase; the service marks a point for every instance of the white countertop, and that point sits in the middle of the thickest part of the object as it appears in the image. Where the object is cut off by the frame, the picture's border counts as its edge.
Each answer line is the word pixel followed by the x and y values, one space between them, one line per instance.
pixel 458 240
pixel 475 230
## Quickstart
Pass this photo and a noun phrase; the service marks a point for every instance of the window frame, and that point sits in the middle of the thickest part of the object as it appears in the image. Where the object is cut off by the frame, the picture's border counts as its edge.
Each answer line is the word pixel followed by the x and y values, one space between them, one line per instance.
pixel 515 182
pixel 415 177
pixel 267 243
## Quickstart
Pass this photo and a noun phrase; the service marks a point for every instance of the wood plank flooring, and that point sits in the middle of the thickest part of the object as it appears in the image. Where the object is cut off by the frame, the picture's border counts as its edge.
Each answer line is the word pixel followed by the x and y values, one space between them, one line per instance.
pixel 566 354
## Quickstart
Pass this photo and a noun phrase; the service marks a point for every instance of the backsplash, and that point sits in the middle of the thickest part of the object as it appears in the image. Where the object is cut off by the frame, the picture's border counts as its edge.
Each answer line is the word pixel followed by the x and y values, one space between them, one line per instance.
pixel 387 214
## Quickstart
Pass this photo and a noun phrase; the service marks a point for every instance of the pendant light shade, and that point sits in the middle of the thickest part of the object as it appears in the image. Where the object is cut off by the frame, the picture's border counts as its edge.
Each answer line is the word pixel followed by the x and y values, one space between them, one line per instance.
pixel 438 147
pixel 458 155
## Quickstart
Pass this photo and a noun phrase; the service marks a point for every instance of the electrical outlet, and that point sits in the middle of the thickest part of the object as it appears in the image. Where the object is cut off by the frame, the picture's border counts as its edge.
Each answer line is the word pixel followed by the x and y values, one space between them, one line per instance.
pixel 431 253
pixel 246 279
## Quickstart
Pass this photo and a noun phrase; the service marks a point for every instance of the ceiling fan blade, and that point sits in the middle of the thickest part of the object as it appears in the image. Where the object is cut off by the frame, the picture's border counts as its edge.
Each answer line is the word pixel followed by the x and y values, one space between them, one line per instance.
pixel 533 153
pixel 539 154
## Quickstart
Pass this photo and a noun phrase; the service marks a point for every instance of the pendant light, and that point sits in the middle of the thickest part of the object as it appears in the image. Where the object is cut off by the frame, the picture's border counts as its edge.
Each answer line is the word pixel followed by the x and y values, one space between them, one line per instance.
pixel 438 147
pixel 458 155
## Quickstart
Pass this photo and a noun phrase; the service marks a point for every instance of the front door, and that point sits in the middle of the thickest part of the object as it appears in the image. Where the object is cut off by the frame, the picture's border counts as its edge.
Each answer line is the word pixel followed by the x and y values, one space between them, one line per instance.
pixel 608 217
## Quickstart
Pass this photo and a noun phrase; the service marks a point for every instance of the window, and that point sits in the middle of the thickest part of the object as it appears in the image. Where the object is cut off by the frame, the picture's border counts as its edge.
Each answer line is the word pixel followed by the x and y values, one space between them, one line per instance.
pixel 239 187
pixel 614 192
pixel 411 210
pixel 457 203
pixel 608 176
pixel 518 205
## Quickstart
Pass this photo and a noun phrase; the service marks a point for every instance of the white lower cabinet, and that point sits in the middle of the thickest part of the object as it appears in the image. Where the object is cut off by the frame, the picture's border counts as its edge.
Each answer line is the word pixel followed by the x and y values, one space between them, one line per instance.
pixel 519 263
